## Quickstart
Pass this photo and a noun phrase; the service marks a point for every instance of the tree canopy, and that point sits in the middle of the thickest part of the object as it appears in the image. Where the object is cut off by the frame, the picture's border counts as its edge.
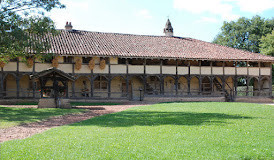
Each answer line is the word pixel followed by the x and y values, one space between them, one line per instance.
pixel 267 44
pixel 22 26
pixel 245 33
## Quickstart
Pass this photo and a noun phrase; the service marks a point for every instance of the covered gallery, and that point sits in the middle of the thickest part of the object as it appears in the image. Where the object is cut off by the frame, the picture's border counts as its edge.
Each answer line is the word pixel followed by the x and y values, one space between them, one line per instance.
pixel 125 66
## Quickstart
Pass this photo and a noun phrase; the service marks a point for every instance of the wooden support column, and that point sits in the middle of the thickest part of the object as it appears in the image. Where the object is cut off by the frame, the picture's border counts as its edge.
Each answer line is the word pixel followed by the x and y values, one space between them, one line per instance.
pixel 73 83
pixel 200 78
pixel 91 83
pixel 144 76
pixel 270 82
pixel 247 78
pixel 127 80
pixel 66 83
pixel 223 80
pixel 188 79
pixel 235 79
pixel 17 80
pixel 33 83
pixel 42 87
pixel 161 78
pixel 109 79
pixel 176 78
pixel 211 78
pixel 2 83
pixel 259 82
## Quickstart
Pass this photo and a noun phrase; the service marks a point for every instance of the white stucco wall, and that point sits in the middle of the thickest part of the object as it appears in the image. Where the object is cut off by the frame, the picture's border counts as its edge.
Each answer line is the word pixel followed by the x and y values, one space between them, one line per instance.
pixel 169 70
pixel 116 69
pixel 182 70
pixel 136 69
pixel 217 70
pixel 194 70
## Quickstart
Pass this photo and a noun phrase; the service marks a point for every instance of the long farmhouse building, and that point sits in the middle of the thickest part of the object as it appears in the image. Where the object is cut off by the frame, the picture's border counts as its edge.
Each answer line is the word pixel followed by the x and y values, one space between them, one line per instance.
pixel 96 65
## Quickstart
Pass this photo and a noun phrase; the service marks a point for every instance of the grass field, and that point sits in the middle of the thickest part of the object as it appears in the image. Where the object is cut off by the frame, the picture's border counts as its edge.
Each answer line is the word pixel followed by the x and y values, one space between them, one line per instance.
pixel 15 116
pixel 162 131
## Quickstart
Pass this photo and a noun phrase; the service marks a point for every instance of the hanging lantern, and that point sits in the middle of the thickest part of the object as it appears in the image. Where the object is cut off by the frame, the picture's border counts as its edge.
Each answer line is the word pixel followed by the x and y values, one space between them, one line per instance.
pixel 91 64
pixel 102 64
pixel 55 62
pixel 78 63
pixel 29 62
pixel 2 64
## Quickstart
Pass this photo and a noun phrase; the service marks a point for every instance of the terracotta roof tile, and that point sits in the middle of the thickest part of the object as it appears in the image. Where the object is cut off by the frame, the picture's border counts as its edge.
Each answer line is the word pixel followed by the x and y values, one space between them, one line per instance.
pixel 86 43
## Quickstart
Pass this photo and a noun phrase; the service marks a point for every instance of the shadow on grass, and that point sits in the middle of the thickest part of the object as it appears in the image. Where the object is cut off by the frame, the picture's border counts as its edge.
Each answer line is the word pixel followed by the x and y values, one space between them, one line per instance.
pixel 24 115
pixel 133 118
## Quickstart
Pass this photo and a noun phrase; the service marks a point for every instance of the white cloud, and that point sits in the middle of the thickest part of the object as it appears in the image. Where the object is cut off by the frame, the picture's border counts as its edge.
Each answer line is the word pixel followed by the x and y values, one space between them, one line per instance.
pixel 254 6
pixel 207 19
pixel 200 6
pixel 223 8
pixel 144 13
pixel 61 16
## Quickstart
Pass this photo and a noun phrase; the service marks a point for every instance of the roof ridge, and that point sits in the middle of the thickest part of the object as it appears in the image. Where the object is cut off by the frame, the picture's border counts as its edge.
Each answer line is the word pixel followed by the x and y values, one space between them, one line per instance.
pixel 115 33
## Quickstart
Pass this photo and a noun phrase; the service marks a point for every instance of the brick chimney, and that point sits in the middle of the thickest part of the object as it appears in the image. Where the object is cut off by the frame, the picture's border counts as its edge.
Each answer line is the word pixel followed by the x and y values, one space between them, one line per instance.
pixel 68 26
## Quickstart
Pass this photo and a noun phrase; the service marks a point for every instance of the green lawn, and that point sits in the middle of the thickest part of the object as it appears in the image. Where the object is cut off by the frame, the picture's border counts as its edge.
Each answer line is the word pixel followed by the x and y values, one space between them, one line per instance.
pixel 162 131
pixel 15 116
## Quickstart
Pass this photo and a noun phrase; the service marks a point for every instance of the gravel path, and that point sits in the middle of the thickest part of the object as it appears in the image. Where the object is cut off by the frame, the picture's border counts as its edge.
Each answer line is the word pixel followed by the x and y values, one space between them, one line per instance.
pixel 27 130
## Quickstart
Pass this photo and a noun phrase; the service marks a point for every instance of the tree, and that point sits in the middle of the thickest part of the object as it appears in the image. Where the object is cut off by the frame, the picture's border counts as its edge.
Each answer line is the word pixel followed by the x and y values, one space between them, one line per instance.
pixel 267 44
pixel 24 26
pixel 244 33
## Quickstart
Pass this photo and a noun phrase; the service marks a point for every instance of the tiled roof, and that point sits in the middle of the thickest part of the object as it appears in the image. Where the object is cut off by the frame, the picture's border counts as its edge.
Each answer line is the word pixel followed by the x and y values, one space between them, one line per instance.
pixel 84 43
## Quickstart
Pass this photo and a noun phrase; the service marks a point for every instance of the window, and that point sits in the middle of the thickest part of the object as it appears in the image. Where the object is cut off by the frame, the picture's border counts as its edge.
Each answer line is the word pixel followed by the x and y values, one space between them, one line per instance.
pixel 86 59
pixel 205 63
pixel 121 61
pixel 136 61
pixel 171 62
pixel 68 59
pixel 153 62
pixel 100 83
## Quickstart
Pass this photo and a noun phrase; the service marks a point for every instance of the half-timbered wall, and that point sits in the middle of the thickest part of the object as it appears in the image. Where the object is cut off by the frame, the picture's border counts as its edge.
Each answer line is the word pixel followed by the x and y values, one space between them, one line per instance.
pixel 129 78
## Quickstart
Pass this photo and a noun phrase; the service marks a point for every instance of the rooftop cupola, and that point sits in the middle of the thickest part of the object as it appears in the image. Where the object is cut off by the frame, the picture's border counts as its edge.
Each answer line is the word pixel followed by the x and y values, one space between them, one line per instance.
pixel 168 30
pixel 68 26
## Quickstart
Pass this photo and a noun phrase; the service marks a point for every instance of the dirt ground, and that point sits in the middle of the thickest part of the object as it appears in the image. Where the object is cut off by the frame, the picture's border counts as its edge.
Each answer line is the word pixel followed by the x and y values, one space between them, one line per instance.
pixel 27 130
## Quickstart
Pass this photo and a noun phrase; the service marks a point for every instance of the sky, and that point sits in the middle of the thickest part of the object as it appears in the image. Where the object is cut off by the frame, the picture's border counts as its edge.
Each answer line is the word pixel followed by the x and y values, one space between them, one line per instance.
pixel 199 19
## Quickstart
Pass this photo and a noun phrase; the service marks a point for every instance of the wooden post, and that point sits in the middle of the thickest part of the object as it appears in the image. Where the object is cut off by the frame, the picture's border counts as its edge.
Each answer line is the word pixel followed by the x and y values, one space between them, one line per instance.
pixel 270 82
pixel 247 79
pixel 259 82
pixel 200 78
pixel 176 78
pixel 2 83
pixel 127 79
pixel 109 79
pixel 33 84
pixel 144 76
pixel 211 79
pixel 223 80
pixel 236 79
pixel 17 80
pixel 188 80
pixel 91 83
pixel 161 77
pixel 73 83
pixel 66 83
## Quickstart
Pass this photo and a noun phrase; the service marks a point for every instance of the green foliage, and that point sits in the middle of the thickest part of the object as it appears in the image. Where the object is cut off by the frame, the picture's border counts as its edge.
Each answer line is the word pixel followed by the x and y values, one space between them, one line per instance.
pixel 15 116
pixel 22 33
pixel 244 33
pixel 208 130
pixel 267 44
